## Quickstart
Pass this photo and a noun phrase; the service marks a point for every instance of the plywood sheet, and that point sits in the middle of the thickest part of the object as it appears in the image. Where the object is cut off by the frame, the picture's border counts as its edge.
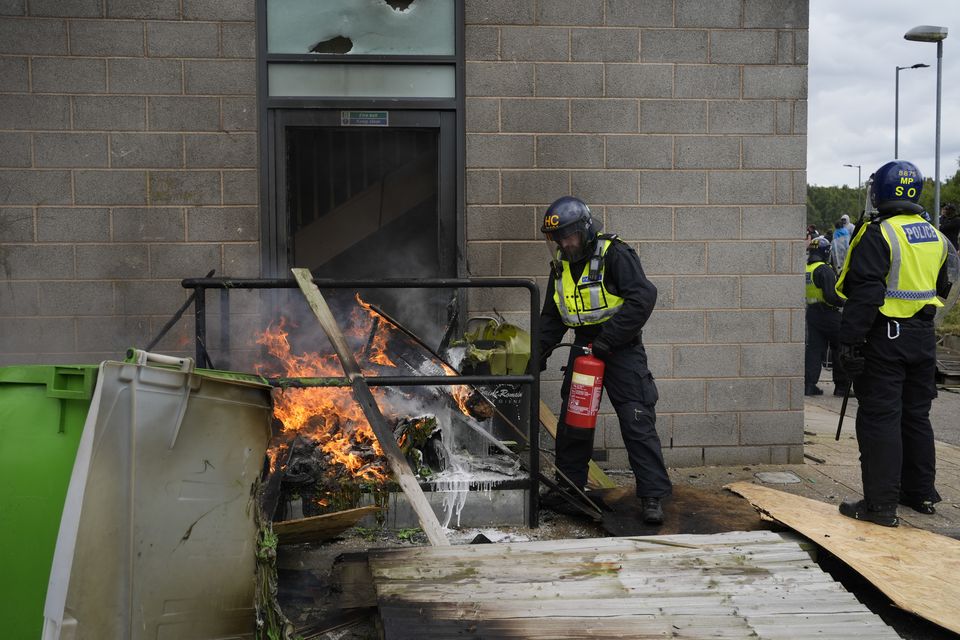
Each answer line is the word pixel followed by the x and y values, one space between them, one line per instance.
pixel 916 569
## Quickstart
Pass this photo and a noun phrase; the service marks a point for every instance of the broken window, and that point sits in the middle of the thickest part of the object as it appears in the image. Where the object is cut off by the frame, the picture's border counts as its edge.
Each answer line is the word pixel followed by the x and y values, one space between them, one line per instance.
pixel 352 27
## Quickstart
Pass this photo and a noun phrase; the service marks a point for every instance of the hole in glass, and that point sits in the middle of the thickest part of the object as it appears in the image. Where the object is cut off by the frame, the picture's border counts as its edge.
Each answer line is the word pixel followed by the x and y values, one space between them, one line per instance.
pixel 338 44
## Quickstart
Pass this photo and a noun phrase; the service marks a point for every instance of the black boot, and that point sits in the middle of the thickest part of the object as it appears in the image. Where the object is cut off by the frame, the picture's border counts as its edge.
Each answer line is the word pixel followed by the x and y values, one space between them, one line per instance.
pixel 651 511
pixel 920 505
pixel 812 390
pixel 884 515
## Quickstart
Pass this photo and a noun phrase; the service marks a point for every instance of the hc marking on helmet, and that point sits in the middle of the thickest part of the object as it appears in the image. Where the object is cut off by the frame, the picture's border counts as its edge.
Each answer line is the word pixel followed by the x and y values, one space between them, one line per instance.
pixel 551 220
pixel 920 232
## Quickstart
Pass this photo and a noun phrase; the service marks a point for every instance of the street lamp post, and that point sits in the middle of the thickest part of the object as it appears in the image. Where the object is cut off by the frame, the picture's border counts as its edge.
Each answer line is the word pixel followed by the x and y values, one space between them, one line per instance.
pixel 929 33
pixel 859 201
pixel 896 107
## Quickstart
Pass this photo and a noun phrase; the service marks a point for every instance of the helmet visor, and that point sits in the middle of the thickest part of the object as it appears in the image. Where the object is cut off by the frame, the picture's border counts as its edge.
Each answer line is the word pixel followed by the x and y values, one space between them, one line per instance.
pixel 561 233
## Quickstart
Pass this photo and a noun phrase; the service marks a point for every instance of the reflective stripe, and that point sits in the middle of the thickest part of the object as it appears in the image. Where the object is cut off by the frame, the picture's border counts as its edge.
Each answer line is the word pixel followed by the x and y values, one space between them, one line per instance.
pixel 910 295
pixel 893 276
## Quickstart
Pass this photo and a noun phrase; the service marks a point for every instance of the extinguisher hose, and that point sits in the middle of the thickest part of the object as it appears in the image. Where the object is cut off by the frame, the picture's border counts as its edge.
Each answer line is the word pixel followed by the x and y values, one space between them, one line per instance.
pixel 572 345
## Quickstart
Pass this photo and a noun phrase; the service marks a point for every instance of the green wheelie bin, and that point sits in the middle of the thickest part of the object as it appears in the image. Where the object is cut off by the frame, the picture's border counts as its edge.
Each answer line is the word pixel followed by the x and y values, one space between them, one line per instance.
pixel 43 409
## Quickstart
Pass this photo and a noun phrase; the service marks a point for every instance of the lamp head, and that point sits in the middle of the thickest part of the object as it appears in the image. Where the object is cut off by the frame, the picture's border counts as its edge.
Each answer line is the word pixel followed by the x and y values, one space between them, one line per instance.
pixel 926 33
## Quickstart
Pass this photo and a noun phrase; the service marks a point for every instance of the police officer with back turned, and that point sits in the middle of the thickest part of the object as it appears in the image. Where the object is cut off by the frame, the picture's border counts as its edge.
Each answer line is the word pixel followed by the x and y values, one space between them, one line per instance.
pixel 823 319
pixel 597 287
pixel 896 267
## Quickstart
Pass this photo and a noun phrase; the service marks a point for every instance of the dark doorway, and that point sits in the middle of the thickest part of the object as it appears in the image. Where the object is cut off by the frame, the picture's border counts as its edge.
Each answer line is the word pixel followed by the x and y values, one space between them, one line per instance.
pixel 364 202
pixel 370 202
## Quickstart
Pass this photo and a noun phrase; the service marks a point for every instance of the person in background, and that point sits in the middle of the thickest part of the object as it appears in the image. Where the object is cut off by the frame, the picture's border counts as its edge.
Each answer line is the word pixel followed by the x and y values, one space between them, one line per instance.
pixel 812 232
pixel 896 267
pixel 845 219
pixel 597 288
pixel 839 245
pixel 823 319
pixel 950 223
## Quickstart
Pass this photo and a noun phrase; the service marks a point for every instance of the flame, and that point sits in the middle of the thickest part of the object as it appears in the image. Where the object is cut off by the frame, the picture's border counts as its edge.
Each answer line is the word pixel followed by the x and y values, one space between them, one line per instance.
pixel 368 324
pixel 330 415
pixel 460 393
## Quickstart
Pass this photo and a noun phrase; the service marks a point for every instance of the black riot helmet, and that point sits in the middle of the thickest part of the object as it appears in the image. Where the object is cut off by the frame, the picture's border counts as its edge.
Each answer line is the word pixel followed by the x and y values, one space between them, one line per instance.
pixel 568 217
pixel 896 188
pixel 818 250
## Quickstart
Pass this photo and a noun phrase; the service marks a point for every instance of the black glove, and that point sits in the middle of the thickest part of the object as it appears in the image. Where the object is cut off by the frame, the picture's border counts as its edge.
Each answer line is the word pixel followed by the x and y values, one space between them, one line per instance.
pixel 601 349
pixel 851 358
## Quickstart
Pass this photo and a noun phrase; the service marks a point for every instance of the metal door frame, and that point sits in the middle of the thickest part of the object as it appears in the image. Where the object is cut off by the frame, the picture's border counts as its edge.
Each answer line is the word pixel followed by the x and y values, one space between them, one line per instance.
pixel 274 112
pixel 276 225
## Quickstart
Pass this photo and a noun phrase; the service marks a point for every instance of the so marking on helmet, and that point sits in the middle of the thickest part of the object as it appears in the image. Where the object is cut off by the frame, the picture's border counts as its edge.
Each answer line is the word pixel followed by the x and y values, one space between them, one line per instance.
pixel 568 216
pixel 895 184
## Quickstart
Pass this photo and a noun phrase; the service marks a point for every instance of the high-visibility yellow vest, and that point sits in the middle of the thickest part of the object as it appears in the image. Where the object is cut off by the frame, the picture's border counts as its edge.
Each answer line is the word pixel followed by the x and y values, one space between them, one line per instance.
pixel 917 252
pixel 814 293
pixel 587 301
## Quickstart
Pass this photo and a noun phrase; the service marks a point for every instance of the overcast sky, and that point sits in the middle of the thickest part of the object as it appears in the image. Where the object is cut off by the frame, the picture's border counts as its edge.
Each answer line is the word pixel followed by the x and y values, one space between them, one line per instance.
pixel 855 47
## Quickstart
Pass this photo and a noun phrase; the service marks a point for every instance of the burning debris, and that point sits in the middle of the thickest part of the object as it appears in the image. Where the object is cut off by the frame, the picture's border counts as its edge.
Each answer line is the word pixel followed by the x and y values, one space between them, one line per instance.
pixel 325 449
pixel 421 441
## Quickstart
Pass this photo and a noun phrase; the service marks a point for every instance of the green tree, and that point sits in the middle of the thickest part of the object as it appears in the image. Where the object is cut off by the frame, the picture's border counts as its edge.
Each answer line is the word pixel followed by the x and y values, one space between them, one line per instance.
pixel 825 205
pixel 949 191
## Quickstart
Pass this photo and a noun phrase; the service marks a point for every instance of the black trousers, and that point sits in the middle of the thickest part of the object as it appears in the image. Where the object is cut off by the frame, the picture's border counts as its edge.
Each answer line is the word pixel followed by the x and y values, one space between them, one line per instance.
pixel 633 393
pixel 823 330
pixel 895 392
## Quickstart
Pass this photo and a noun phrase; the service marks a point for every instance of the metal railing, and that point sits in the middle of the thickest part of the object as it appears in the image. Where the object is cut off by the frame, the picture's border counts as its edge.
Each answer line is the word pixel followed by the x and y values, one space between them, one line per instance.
pixel 532 379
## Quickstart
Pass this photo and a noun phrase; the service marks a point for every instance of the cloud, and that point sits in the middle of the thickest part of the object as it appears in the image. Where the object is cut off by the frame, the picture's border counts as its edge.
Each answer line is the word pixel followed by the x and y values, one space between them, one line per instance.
pixel 855 47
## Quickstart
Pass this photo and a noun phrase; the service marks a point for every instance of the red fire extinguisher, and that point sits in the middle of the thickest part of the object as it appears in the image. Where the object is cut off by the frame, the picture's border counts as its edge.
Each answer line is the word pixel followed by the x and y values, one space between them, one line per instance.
pixel 586 385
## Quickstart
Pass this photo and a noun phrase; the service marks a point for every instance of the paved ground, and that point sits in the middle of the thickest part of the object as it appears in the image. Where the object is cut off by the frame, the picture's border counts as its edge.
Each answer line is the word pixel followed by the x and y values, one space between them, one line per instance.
pixel 830 473
pixel 831 469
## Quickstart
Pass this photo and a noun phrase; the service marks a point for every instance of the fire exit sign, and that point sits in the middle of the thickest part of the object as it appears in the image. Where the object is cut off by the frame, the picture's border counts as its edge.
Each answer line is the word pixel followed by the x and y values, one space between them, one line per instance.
pixel 364 118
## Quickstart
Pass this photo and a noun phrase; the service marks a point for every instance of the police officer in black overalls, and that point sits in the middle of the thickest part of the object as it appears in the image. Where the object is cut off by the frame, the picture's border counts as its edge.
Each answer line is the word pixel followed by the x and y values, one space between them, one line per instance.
pixel 823 319
pixel 896 267
pixel 597 287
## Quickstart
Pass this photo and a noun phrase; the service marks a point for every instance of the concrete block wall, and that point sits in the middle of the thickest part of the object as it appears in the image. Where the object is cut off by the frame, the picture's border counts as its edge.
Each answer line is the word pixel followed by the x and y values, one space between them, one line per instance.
pixel 683 124
pixel 129 161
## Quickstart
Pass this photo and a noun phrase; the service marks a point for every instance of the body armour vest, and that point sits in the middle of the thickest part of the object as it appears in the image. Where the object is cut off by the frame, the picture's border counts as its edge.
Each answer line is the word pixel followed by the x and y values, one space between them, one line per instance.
pixel 917 251
pixel 815 293
pixel 586 301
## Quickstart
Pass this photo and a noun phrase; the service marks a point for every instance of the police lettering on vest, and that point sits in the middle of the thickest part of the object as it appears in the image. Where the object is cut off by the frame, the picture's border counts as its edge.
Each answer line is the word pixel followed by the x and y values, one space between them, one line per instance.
pixel 920 232
pixel 586 301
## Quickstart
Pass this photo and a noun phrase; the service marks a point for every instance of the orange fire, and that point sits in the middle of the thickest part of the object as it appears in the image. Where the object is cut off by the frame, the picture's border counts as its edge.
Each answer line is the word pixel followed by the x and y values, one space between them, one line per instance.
pixel 330 415
pixel 363 320
pixel 326 414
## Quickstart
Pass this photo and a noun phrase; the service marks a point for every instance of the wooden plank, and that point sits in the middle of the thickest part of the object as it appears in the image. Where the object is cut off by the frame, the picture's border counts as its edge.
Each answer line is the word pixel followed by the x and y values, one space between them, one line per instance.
pixel 319 528
pixel 595 475
pixel 915 568
pixel 351 574
pixel 597 545
pixel 378 424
